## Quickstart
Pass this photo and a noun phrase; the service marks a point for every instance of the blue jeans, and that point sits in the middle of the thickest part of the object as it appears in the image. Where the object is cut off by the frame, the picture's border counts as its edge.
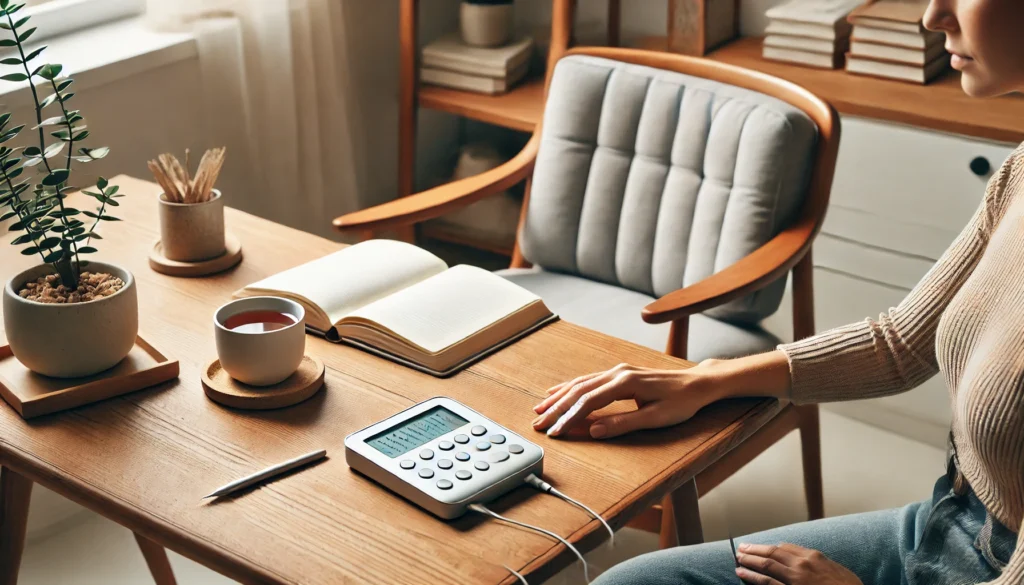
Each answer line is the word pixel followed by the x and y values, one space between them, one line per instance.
pixel 945 540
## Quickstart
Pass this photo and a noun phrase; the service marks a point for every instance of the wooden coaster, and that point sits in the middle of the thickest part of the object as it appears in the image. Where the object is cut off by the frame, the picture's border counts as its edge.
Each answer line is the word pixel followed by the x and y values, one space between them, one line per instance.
pixel 303 384
pixel 34 395
pixel 231 257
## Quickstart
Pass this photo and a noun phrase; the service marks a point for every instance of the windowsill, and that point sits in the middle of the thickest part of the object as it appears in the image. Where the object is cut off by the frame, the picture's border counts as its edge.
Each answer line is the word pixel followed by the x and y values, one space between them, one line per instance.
pixel 106 53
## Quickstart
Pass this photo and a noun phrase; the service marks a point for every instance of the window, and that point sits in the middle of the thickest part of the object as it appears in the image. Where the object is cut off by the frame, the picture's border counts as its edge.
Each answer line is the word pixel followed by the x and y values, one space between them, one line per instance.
pixel 57 17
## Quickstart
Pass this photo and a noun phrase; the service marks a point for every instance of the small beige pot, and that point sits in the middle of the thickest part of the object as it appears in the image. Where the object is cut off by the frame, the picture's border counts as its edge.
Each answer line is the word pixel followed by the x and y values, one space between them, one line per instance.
pixel 70 341
pixel 192 232
pixel 486 25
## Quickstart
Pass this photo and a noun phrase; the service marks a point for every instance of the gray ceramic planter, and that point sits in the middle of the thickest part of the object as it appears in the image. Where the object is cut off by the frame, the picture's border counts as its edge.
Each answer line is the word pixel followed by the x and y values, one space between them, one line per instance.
pixel 486 25
pixel 70 341
pixel 192 232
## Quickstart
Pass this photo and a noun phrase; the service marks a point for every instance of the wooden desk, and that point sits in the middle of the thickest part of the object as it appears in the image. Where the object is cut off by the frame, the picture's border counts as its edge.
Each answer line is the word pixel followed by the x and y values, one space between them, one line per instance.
pixel 145 460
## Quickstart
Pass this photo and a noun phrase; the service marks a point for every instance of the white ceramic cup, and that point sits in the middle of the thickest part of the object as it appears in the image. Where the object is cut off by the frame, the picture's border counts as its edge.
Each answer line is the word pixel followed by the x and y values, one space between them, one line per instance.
pixel 264 358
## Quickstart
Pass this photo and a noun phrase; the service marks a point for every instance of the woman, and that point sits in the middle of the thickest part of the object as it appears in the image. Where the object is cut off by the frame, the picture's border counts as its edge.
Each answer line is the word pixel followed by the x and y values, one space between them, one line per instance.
pixel 965 320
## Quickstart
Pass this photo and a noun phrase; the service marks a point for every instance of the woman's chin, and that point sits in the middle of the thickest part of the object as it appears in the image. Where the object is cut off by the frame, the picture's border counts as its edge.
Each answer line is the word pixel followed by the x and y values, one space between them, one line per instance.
pixel 976 87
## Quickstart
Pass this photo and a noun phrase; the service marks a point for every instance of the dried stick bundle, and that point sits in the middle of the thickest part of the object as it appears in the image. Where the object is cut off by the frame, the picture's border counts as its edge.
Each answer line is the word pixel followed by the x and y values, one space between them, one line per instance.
pixel 182 187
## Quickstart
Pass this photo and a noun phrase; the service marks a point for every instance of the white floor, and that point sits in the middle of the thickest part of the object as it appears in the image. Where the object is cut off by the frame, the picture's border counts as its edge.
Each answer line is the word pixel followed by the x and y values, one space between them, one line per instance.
pixel 865 469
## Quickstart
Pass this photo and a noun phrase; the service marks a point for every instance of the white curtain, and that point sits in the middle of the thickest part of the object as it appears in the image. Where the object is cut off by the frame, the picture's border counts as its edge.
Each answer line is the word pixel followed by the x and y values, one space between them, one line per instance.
pixel 276 91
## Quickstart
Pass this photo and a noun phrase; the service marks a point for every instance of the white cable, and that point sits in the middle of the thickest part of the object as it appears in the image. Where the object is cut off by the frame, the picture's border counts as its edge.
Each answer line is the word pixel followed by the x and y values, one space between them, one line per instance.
pixel 516 573
pixel 547 488
pixel 488 512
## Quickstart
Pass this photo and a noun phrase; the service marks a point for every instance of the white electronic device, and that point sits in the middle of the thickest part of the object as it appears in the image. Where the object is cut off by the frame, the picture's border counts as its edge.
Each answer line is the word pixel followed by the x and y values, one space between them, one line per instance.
pixel 443 456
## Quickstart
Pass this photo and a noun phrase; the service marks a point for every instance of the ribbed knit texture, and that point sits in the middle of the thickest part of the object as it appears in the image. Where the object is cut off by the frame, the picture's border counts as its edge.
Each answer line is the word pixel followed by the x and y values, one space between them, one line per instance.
pixel 965 320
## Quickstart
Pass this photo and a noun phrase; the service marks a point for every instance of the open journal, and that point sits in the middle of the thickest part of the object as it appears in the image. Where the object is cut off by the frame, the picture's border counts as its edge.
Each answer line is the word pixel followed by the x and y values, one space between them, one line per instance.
pixel 402 302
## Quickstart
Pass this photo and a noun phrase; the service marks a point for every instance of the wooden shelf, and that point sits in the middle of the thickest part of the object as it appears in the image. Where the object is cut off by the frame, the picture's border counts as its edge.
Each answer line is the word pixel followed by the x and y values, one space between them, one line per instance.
pixel 941 105
pixel 519 109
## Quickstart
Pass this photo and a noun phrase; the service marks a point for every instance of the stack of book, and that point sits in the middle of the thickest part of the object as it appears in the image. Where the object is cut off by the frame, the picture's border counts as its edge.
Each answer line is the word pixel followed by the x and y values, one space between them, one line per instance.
pixel 809 32
pixel 449 62
pixel 889 41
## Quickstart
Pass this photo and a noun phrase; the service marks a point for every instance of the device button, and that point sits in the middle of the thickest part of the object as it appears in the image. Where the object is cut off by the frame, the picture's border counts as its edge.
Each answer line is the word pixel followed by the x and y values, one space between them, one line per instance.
pixel 515 449
pixel 445 445
pixel 478 431
pixel 481 465
pixel 461 439
pixel 483 446
pixel 463 474
pixel 497 439
pixel 426 454
pixel 498 457
pixel 407 464
pixel 462 456
pixel 444 463
pixel 443 484
pixel 426 473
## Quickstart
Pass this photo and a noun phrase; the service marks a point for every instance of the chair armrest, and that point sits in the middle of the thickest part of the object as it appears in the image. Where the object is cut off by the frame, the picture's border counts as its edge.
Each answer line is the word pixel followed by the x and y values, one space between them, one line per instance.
pixel 751 273
pixel 445 198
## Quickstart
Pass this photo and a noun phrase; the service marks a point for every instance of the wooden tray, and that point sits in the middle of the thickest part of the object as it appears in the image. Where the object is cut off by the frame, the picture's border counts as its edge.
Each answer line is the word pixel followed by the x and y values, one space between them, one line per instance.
pixel 300 386
pixel 33 395
pixel 231 257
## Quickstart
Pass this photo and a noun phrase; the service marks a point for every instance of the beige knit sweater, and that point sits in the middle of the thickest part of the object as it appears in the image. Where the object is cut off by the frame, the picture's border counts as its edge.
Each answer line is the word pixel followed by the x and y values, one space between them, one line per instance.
pixel 965 321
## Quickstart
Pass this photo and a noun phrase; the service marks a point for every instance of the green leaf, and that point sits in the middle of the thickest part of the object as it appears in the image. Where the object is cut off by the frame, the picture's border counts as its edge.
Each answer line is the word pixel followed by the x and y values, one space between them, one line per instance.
pixel 31 150
pixel 21 21
pixel 14 77
pixel 75 232
pixel 49 242
pixel 25 35
pixel 54 257
pixel 4 119
pixel 94 235
pixel 8 43
pixel 30 251
pixel 109 218
pixel 23 239
pixel 65 84
pixel 16 226
pixel 4 4
pixel 5 26
pixel 56 177
pixel 53 149
pixel 10 163
pixel 87 250
pixel 10 133
pixel 14 8
pixel 80 136
pixel 90 214
pixel 48 100
pixel 112 202
pixel 15 173
pixel 10 60
pixel 49 121
pixel 67 96
pixel 50 71
pixel 95 153
pixel 8 215
pixel 35 53
pixel 101 182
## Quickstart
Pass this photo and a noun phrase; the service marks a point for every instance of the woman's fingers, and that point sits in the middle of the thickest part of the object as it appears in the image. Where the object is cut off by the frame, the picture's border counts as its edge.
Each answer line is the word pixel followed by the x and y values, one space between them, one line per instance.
pixel 596 399
pixel 751 578
pixel 784 553
pixel 556 392
pixel 765 566
pixel 648 416
pixel 565 399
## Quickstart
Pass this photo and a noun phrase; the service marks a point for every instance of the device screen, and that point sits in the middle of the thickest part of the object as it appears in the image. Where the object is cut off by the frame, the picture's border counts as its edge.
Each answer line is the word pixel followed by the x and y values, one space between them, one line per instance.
pixel 416 431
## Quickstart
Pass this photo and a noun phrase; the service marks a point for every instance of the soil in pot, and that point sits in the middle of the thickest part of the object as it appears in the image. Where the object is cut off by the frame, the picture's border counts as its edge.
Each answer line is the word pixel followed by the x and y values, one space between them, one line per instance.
pixel 91 286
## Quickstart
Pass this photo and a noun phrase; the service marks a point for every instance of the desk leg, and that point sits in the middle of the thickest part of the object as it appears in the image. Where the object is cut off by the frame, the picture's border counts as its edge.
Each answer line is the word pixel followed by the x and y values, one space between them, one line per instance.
pixel 15 493
pixel 156 559
pixel 680 517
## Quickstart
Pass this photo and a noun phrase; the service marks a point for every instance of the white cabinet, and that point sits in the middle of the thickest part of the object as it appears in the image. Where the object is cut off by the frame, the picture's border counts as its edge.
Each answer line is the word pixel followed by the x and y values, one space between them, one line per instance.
pixel 900 197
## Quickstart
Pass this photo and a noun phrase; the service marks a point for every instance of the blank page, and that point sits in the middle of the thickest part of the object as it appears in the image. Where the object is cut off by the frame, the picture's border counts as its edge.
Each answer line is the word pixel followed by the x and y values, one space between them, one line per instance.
pixel 448 308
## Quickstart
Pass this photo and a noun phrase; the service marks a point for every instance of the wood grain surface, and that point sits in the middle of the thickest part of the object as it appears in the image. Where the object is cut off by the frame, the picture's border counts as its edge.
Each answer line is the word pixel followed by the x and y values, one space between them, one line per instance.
pixel 146 459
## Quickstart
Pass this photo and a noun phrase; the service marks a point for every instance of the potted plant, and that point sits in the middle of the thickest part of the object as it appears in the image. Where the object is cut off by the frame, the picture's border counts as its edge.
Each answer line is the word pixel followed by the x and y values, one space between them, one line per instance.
pixel 66 317
pixel 486 23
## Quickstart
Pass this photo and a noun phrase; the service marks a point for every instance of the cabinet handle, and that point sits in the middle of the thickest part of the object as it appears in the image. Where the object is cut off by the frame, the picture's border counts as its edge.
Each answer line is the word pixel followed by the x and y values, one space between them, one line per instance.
pixel 981 167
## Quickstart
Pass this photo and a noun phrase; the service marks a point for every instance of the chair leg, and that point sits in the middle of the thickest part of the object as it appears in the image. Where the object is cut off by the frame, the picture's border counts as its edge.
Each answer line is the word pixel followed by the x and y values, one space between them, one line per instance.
pixel 156 559
pixel 810 448
pixel 15 494
pixel 680 518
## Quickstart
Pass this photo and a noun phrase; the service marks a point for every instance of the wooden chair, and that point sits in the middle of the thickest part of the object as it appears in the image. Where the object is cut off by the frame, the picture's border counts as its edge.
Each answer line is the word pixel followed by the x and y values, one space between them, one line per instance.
pixel 726 291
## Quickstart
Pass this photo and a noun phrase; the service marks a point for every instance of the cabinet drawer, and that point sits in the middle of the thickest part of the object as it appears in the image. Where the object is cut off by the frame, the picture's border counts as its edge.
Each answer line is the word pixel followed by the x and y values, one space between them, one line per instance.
pixel 887 232
pixel 915 176
pixel 869 262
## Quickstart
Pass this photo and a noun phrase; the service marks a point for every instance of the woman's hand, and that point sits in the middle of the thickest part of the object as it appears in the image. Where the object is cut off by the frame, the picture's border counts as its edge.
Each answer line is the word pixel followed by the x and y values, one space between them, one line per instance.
pixel 663 398
pixel 789 564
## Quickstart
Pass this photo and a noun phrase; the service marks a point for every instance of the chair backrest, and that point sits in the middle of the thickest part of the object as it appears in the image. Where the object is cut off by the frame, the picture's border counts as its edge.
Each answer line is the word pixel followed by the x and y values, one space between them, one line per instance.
pixel 652 179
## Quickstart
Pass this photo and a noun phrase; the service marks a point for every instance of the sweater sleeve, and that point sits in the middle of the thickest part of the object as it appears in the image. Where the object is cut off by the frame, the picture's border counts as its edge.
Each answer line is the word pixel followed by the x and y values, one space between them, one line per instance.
pixel 1013 573
pixel 896 352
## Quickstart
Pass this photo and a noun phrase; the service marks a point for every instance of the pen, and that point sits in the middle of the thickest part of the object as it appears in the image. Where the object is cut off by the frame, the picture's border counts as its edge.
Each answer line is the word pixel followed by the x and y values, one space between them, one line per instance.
pixel 268 473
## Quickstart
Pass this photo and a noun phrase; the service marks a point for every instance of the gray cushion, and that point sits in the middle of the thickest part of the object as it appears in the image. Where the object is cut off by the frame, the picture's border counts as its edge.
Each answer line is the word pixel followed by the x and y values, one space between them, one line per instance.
pixel 653 180
pixel 616 311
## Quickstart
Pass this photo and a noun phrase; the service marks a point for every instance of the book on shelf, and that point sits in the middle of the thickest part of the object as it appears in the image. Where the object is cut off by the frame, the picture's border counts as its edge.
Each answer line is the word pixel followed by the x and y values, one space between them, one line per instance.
pixel 805 44
pixel 403 303
pixel 894 22
pixel 449 53
pixel 922 40
pixel 861 48
pixel 820 60
pixel 901 71
pixel 821 19
pixel 474 83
